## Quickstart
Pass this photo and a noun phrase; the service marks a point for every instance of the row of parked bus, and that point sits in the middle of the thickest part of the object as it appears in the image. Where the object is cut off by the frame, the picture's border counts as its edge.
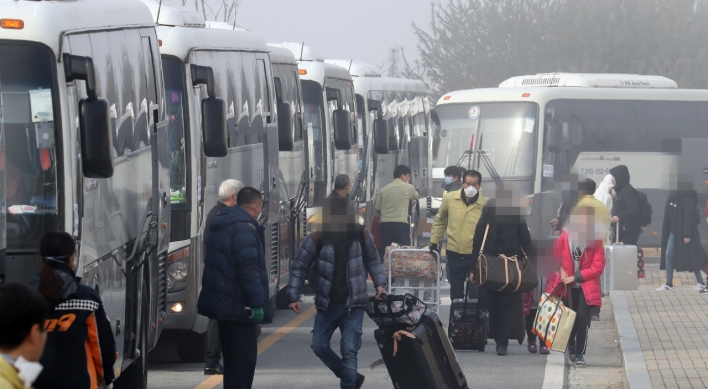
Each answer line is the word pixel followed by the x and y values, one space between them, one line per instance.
pixel 120 119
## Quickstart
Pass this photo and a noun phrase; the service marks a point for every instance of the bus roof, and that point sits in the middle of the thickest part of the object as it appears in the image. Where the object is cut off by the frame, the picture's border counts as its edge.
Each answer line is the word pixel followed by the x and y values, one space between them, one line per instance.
pixel 356 68
pixel 181 40
pixel 281 56
pixel 362 85
pixel 311 65
pixel 45 21
pixel 542 95
pixel 301 51
pixel 590 80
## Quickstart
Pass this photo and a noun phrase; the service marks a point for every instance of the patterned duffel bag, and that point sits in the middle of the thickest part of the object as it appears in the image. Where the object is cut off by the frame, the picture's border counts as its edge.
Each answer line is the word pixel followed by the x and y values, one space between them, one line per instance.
pixel 411 263
pixel 395 310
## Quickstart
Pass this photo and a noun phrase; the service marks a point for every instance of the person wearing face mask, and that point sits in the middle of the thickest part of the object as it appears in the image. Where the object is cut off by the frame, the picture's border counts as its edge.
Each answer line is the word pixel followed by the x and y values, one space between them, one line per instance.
pixel 22 335
pixel 393 204
pixel 79 335
pixel 235 285
pixel 453 179
pixel 458 216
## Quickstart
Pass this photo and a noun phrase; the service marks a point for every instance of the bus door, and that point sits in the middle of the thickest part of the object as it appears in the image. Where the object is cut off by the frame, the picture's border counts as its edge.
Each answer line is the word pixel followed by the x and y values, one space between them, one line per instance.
pixel 3 229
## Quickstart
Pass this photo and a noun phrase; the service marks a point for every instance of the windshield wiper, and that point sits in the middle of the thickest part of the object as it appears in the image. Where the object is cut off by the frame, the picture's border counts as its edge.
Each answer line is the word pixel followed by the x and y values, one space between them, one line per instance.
pixel 487 164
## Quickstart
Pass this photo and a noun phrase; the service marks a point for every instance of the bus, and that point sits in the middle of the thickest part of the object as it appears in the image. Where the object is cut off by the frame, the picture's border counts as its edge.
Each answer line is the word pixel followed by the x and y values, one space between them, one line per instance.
pixel 221 105
pixel 329 118
pixel 84 150
pixel 405 106
pixel 535 131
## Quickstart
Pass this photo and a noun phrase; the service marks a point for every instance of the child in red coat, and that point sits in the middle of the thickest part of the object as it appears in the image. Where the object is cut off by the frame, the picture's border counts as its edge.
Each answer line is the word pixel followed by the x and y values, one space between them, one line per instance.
pixel 580 260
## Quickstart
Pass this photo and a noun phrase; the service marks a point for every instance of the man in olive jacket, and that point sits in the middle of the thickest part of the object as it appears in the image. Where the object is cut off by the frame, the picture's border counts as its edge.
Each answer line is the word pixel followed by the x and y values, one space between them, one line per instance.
pixel 458 216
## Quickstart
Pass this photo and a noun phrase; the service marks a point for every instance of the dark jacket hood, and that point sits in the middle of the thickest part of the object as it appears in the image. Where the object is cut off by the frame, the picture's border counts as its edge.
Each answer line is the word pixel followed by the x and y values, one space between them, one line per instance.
pixel 67 277
pixel 231 215
pixel 683 193
pixel 621 175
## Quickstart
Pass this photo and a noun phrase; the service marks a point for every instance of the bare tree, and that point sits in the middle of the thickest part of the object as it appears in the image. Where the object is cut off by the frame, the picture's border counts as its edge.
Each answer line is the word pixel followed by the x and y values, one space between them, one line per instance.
pixel 218 10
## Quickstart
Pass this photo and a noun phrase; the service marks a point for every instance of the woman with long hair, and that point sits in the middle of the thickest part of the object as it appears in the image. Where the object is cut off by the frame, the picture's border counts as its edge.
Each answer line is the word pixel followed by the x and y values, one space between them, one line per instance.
pixel 79 336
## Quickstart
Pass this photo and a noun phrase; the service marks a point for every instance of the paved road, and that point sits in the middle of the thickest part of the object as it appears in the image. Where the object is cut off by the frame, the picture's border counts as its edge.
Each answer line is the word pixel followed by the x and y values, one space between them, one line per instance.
pixel 289 362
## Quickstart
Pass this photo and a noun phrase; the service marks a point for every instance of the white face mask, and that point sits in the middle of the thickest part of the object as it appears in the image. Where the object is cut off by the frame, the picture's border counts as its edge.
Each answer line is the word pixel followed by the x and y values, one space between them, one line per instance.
pixel 27 371
pixel 470 191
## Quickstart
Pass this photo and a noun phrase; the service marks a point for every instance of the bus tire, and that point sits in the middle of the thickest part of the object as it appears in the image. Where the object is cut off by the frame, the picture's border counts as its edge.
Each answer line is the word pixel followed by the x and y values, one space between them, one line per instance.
pixel 191 346
pixel 135 376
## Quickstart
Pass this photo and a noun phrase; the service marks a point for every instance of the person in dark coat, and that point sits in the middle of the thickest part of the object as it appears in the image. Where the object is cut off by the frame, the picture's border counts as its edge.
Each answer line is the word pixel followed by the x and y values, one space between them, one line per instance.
pixel 681 248
pixel 625 209
pixel 235 285
pixel 508 234
pixel 228 190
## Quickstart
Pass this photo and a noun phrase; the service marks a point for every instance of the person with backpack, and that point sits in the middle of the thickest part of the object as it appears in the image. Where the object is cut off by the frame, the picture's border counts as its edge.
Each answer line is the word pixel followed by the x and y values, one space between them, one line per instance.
pixel 80 350
pixel 681 248
pixel 629 209
pixel 344 254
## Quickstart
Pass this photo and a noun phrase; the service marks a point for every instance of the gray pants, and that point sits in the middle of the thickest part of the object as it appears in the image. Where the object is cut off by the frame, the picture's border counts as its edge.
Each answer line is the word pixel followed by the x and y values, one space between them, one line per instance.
pixel 212 356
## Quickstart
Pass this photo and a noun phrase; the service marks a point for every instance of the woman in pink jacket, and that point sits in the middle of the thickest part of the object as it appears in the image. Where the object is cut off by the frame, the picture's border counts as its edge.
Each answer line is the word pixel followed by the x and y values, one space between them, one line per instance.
pixel 580 260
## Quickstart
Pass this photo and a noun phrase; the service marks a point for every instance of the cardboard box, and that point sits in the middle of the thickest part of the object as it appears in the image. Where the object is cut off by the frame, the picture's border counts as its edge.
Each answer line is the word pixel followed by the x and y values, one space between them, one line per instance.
pixel 425 225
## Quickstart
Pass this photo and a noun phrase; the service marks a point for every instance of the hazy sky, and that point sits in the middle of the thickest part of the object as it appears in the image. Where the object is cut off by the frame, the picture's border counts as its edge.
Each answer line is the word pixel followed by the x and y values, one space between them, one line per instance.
pixel 357 29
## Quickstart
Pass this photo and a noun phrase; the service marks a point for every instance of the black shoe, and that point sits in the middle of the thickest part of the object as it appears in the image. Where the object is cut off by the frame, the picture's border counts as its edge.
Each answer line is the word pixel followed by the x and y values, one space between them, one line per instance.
pixel 214 370
pixel 501 349
pixel 580 360
pixel 359 380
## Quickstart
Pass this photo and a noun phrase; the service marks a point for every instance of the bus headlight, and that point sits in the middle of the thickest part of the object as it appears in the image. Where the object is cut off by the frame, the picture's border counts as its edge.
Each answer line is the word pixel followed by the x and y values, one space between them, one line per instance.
pixel 177 275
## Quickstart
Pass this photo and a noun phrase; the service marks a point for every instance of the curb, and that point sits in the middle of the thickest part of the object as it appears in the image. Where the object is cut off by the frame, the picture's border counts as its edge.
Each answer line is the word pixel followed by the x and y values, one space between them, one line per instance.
pixel 635 366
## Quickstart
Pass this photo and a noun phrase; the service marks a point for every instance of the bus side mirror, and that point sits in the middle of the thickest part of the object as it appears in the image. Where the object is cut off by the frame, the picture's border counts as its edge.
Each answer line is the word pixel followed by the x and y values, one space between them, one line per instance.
pixel 381 136
pixel 94 119
pixel 214 133
pixel 96 139
pixel 342 129
pixel 554 137
pixel 285 119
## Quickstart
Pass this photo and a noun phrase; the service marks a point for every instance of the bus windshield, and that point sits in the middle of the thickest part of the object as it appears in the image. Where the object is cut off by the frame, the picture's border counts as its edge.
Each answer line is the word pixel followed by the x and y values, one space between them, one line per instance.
pixel 28 155
pixel 313 115
pixel 173 70
pixel 505 147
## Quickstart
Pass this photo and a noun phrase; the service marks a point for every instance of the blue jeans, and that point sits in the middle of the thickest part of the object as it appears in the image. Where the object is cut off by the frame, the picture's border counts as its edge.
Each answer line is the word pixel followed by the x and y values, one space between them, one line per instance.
pixel 670 263
pixel 349 324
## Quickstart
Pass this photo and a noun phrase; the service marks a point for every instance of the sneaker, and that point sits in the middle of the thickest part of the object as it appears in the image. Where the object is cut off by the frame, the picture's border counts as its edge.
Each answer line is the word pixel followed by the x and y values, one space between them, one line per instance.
pixel 501 349
pixel 445 285
pixel 214 370
pixel 594 318
pixel 699 287
pixel 580 360
pixel 571 353
pixel 664 287
pixel 532 347
pixel 544 350
pixel 703 290
pixel 359 380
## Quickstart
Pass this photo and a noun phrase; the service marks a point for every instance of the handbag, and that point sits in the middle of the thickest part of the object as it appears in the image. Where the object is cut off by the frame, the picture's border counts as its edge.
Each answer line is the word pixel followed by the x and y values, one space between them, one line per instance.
pixel 390 310
pixel 554 321
pixel 411 264
pixel 505 274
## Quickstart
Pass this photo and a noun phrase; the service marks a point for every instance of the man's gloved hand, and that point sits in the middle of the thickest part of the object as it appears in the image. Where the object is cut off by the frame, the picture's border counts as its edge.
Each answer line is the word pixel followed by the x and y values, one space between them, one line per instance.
pixel 257 315
pixel 434 248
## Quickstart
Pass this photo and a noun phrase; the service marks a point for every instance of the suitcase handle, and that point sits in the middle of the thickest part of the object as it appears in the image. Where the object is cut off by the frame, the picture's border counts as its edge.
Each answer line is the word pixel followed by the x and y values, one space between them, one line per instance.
pixel 464 306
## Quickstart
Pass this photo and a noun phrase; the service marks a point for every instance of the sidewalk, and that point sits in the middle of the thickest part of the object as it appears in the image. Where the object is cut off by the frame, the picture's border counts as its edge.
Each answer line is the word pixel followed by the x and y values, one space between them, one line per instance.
pixel 672 330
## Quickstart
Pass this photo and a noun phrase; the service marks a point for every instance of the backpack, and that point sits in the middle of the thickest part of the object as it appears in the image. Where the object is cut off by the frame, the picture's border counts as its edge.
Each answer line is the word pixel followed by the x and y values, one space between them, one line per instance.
pixel 312 271
pixel 645 211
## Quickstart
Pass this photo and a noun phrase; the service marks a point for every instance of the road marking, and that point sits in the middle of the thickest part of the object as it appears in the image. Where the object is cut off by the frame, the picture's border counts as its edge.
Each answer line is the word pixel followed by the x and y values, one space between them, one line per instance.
pixel 265 344
pixel 554 375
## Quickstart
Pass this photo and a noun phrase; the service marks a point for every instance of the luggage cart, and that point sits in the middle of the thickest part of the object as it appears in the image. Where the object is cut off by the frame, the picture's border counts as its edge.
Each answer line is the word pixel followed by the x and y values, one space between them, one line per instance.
pixel 430 288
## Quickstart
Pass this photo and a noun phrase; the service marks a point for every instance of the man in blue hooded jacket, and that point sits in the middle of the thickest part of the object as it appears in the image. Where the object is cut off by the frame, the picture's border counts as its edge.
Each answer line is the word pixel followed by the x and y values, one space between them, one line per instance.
pixel 235 285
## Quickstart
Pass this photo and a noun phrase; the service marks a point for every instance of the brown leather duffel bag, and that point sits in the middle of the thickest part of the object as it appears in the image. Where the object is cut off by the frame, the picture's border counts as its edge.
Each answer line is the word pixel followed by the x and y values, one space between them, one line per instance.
pixel 505 274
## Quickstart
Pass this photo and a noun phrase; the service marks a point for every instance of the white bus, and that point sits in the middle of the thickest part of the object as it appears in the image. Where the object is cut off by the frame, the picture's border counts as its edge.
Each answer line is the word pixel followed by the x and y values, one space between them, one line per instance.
pixel 329 117
pixel 533 131
pixel 221 105
pixel 405 107
pixel 84 150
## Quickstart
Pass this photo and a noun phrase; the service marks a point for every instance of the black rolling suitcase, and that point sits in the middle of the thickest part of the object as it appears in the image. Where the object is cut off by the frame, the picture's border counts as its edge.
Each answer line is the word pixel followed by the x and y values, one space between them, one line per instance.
pixel 424 362
pixel 517 329
pixel 468 329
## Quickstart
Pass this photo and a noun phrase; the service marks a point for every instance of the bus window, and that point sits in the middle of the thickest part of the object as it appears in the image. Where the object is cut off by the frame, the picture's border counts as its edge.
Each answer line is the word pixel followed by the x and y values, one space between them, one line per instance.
pixel 30 153
pixel 173 73
pixel 314 115
pixel 294 86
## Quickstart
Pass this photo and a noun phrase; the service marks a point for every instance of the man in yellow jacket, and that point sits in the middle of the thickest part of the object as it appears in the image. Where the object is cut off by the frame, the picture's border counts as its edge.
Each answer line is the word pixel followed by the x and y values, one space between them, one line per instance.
pixel 458 216
pixel 392 204
pixel 22 336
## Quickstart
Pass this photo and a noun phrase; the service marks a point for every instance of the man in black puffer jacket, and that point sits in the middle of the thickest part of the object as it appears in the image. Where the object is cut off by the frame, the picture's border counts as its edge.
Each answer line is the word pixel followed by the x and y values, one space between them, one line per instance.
pixel 235 285
pixel 625 209
pixel 345 254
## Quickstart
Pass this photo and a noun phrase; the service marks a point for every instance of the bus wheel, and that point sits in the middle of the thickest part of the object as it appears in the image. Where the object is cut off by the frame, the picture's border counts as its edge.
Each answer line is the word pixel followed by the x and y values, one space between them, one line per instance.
pixel 135 376
pixel 191 346
pixel 281 299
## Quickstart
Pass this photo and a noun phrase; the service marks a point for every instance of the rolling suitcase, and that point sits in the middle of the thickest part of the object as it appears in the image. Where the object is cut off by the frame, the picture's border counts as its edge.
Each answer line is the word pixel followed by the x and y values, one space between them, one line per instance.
pixel 426 361
pixel 517 328
pixel 467 329
pixel 620 267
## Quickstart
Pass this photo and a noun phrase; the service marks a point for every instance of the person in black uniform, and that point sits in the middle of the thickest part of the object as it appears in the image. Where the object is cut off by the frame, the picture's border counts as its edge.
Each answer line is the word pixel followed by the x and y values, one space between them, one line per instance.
pixel 80 350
